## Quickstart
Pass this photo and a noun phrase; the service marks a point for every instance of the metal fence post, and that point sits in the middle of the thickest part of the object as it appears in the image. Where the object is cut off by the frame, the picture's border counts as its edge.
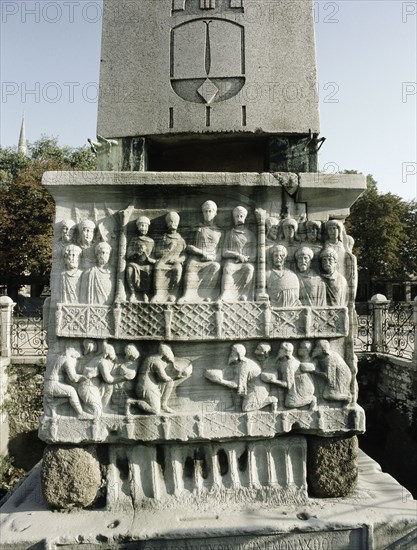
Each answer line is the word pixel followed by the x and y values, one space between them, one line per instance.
pixel 6 320
pixel 415 332
pixel 379 305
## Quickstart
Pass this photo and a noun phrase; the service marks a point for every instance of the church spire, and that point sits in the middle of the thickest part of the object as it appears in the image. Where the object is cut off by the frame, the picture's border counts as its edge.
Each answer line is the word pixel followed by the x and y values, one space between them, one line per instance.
pixel 22 147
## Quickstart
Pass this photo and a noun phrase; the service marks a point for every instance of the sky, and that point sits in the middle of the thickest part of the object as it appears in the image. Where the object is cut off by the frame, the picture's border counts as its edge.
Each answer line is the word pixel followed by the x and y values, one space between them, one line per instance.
pixel 367 65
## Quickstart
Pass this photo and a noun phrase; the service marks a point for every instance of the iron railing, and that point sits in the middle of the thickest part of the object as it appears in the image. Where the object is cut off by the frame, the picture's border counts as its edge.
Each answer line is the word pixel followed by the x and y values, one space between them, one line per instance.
pixel 28 337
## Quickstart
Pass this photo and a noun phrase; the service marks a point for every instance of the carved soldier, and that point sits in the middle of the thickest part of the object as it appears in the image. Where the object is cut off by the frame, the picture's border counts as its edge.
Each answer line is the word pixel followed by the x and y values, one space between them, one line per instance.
pixel 312 286
pixel 98 284
pixel 140 262
pixel 70 279
pixel 289 228
pixel 65 238
pixel 336 284
pixel 282 284
pixel 202 274
pixel 313 240
pixel 170 255
pixel 239 252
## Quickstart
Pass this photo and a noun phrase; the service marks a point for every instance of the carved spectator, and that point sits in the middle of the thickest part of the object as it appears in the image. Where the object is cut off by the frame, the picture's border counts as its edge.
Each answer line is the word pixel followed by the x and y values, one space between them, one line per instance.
pixel 98 284
pixel 289 227
pixel 239 252
pixel 170 255
pixel 66 235
pixel 336 284
pixel 140 263
pixel 202 275
pixel 312 286
pixel 86 235
pixel 282 284
pixel 70 279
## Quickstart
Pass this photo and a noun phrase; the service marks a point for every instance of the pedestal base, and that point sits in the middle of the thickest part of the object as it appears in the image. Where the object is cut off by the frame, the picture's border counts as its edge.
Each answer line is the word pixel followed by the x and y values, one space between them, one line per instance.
pixel 380 514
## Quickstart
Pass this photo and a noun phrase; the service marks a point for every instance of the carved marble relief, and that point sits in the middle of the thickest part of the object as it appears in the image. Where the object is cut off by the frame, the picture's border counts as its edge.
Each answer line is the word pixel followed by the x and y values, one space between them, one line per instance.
pixel 159 279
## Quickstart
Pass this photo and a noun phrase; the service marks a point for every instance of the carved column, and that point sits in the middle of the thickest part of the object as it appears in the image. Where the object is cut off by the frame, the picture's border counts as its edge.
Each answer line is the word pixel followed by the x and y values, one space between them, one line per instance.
pixel 124 216
pixel 261 294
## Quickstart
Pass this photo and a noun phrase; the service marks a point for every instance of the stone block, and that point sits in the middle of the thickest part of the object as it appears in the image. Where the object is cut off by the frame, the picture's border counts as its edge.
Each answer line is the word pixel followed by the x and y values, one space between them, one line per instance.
pixel 332 466
pixel 71 476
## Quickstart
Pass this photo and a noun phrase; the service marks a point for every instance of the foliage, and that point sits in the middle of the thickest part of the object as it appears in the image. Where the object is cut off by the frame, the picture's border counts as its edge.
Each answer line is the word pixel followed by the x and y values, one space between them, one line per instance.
pixel 384 229
pixel 26 208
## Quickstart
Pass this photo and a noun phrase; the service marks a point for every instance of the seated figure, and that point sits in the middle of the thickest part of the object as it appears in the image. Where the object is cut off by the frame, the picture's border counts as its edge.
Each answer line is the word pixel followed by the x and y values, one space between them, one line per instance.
pixel 170 254
pixel 202 274
pixel 140 263
pixel 239 251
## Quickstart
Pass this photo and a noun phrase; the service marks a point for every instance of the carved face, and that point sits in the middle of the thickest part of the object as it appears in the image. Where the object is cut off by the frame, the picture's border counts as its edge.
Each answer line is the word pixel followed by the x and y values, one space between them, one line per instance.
pixel 278 257
pixel 328 264
pixel 143 227
pixel 289 231
pixel 285 351
pixel 239 216
pixel 66 233
pixel 333 232
pixel 303 262
pixel 262 352
pixel 102 255
pixel 312 233
pixel 304 350
pixel 72 258
pixel 87 234
pixel 234 356
pixel 172 221
pixel 209 212
pixel 273 232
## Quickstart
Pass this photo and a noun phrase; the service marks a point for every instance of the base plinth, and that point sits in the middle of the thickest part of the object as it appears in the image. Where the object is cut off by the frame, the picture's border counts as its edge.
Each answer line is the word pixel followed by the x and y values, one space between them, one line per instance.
pixel 380 514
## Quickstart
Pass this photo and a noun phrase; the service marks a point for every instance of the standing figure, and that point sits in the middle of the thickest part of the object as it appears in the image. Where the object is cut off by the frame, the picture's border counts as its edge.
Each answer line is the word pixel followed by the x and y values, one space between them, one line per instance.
pixel 272 233
pixel 154 386
pixel 140 263
pixel 86 234
pixel 336 284
pixel 289 228
pixel 65 238
pixel 98 285
pixel 282 284
pixel 202 274
pixel 239 252
pixel 70 279
pixel 170 253
pixel 335 371
pixel 334 239
pixel 313 240
pixel 312 286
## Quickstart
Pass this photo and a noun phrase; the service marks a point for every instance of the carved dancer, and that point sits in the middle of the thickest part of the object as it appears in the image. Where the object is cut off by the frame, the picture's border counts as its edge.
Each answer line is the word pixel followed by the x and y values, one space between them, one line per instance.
pixel 140 263
pixel 58 384
pixel 202 272
pixel 154 385
pixel 336 284
pixel 98 284
pixel 247 381
pixel 170 255
pixel 240 254
pixel 282 284
pixel 86 235
pixel 336 372
pixel 127 371
pixel 70 279
pixel 312 286
pixel 294 378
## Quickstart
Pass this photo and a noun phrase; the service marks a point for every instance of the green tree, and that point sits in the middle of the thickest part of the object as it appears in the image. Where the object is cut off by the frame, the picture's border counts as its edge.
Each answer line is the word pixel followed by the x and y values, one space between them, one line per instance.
pixel 383 226
pixel 27 209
